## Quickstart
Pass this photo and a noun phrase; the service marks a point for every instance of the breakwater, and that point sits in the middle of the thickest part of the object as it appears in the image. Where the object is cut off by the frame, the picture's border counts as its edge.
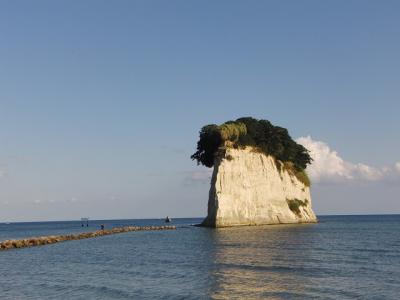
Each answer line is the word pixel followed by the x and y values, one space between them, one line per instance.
pixel 51 239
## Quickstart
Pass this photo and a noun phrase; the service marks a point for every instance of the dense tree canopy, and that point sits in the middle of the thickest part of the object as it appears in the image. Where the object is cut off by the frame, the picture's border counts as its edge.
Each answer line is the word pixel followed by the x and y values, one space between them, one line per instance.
pixel 260 134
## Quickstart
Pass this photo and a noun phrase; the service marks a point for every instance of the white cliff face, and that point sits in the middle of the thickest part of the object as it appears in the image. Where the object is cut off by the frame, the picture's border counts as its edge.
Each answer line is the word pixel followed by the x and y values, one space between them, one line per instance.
pixel 248 189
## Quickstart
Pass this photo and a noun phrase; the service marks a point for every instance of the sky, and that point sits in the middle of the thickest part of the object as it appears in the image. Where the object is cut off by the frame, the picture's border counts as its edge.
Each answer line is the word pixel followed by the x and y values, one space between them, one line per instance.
pixel 101 102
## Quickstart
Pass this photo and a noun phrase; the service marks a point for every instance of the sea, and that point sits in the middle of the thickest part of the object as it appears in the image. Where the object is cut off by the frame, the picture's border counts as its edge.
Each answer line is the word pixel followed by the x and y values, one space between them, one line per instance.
pixel 341 257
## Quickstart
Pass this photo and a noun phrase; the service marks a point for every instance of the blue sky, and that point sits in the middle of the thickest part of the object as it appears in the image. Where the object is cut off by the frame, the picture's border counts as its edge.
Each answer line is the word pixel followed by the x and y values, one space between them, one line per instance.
pixel 101 102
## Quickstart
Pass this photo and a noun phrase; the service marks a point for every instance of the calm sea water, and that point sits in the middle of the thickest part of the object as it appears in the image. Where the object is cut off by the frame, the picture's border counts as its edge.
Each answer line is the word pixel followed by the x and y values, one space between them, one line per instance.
pixel 342 257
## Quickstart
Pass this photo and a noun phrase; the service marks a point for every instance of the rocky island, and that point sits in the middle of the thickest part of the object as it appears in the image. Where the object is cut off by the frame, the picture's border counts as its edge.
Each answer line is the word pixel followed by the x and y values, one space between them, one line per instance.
pixel 259 175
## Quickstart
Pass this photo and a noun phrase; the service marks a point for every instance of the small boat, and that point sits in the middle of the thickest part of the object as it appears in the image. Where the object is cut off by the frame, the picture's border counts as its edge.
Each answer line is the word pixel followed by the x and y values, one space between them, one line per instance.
pixel 167 220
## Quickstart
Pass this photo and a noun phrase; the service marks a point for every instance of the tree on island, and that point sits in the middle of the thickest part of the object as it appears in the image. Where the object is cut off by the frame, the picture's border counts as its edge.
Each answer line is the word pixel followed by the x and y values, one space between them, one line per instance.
pixel 259 134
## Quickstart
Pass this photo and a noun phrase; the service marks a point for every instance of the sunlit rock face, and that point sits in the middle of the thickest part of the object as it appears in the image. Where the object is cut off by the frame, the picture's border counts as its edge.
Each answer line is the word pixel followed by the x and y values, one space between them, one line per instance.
pixel 247 188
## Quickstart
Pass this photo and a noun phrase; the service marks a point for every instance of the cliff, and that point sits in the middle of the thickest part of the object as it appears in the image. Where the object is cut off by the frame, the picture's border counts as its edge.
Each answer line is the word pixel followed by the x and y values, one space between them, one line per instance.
pixel 249 187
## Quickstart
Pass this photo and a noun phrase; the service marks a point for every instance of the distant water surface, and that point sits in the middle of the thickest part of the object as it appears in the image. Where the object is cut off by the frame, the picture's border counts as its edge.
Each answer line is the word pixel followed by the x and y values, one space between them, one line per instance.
pixel 342 257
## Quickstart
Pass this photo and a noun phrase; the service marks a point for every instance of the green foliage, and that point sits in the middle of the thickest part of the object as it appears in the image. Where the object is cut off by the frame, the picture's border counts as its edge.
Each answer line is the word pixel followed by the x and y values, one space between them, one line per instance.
pixel 260 134
pixel 208 144
pixel 275 141
pixel 231 131
pixel 229 157
pixel 294 205
pixel 301 175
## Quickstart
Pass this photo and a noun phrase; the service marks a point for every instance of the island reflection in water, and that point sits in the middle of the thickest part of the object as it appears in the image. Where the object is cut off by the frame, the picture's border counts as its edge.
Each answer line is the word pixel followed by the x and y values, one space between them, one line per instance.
pixel 262 261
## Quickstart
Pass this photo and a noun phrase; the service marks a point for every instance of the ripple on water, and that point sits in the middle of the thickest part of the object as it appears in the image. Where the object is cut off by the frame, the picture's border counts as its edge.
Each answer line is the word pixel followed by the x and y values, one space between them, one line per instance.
pixel 339 258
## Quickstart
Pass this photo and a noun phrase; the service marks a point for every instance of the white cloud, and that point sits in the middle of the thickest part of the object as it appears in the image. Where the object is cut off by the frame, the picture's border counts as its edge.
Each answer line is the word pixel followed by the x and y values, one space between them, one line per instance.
pixel 3 171
pixel 328 166
pixel 398 166
pixel 73 199
pixel 54 201
pixel 198 176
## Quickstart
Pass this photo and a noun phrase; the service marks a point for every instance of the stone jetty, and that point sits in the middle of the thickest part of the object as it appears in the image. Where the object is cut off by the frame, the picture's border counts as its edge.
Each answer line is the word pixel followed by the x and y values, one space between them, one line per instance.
pixel 51 239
